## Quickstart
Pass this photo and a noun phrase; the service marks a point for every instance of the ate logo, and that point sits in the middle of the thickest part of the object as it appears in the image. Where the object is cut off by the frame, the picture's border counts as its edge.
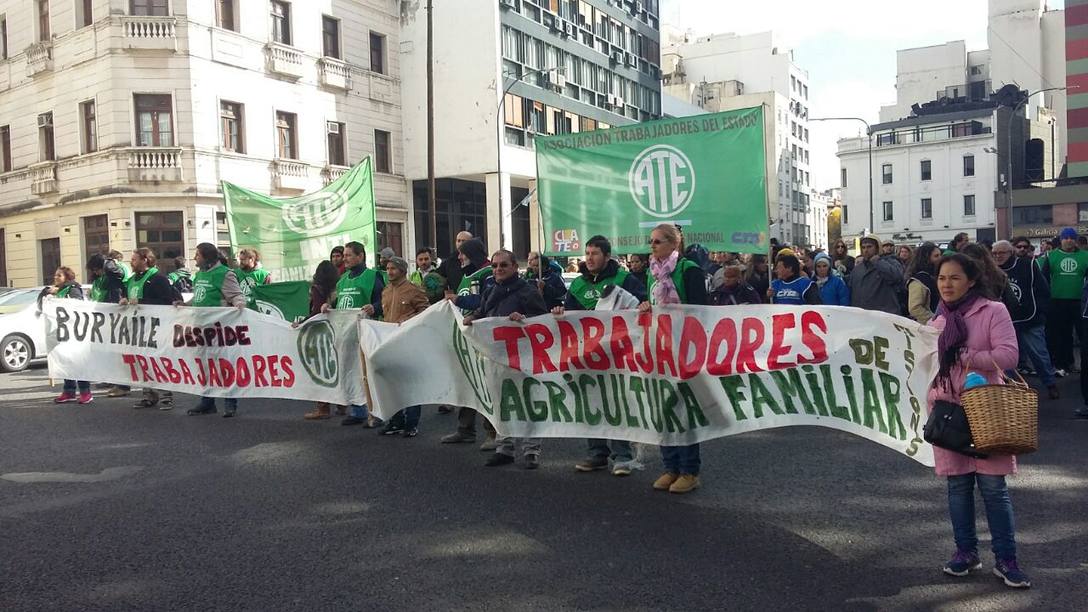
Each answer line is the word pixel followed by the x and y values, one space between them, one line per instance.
pixel 269 309
pixel 1069 265
pixel 247 286
pixel 345 302
pixel 662 181
pixel 199 293
pixel 317 348
pixel 317 214
pixel 592 294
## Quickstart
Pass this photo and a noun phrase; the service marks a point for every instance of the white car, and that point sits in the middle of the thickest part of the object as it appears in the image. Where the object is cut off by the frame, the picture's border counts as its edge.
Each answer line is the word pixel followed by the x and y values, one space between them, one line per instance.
pixel 22 332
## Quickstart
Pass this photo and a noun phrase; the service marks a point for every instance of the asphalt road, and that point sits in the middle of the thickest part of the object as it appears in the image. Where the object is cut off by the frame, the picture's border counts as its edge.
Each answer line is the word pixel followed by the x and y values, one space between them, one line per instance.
pixel 103 507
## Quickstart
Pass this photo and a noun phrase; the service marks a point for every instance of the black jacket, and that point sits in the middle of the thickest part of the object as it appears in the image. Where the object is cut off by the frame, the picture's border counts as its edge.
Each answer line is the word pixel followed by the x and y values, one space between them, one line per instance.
pixel 1028 297
pixel 740 294
pixel 504 299
pixel 695 286
pixel 115 282
pixel 631 284
pixel 450 269
pixel 158 291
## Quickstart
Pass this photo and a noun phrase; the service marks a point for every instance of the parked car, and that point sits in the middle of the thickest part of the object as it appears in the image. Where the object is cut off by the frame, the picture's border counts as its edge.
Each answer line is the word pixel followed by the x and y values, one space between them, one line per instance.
pixel 21 329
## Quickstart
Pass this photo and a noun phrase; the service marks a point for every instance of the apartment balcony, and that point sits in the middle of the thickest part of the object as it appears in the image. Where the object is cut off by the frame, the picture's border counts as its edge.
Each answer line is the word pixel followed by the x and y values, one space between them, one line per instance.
pixel 39 58
pixel 335 74
pixel 284 60
pixel 331 173
pixel 149 33
pixel 43 177
pixel 154 164
pixel 290 175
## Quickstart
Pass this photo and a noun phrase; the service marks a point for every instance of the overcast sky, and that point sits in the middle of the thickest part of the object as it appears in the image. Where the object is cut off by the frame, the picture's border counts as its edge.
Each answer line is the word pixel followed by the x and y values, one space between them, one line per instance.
pixel 847 46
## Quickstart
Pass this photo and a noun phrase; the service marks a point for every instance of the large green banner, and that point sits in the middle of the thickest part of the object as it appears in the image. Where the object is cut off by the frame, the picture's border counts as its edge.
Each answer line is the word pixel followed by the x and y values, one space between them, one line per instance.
pixel 293 235
pixel 706 174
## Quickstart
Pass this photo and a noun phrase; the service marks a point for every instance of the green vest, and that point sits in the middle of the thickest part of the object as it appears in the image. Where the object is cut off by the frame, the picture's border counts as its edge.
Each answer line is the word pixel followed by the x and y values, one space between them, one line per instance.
pixel 355 292
pixel 588 293
pixel 677 279
pixel 99 289
pixel 466 283
pixel 63 292
pixel 1067 272
pixel 126 269
pixel 135 285
pixel 248 280
pixel 208 286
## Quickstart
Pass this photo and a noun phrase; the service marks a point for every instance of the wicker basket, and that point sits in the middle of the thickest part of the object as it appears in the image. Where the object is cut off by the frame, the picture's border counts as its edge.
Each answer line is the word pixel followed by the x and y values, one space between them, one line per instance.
pixel 1004 418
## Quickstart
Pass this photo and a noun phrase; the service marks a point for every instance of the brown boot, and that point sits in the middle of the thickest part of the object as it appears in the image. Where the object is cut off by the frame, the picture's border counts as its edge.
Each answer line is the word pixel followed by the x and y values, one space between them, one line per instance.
pixel 319 413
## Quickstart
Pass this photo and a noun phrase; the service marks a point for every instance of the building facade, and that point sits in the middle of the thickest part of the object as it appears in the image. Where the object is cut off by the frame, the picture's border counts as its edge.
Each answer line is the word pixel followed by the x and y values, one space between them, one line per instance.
pixel 726 72
pixel 120 118
pixel 506 71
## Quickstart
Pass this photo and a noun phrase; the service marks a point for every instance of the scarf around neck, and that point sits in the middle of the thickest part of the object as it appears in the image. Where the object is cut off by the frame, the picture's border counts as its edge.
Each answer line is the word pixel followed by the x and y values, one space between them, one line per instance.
pixel 954 335
pixel 664 289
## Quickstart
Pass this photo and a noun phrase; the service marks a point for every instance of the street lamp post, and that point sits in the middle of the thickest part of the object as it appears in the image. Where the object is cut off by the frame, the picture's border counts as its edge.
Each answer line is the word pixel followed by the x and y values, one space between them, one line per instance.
pixel 501 124
pixel 869 133
pixel 1008 152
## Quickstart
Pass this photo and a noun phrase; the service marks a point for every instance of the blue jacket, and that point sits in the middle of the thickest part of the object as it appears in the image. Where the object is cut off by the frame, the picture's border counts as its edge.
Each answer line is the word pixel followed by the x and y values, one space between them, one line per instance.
pixel 835 292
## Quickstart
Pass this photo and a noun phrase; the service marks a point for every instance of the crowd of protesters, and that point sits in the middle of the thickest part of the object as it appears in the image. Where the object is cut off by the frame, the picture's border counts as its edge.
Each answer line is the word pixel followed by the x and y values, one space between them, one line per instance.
pixel 1018 305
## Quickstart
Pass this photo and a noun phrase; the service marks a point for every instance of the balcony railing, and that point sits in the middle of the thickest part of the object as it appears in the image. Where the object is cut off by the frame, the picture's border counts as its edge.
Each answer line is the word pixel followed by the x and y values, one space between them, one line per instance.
pixel 43 177
pixel 39 57
pixel 333 173
pixel 335 73
pixel 285 60
pixel 290 174
pixel 141 32
pixel 154 164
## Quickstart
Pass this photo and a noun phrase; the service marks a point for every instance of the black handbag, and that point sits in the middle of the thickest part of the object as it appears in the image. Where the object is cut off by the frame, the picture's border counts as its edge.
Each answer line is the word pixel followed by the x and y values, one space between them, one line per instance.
pixel 947 428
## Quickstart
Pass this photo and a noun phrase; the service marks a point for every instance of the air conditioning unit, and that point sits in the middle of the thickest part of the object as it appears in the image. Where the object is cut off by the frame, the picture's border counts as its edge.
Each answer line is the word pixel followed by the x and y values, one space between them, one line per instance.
pixel 564 28
pixel 632 60
pixel 572 30
pixel 332 127
pixel 508 4
pixel 552 20
pixel 617 57
pixel 638 8
pixel 45 120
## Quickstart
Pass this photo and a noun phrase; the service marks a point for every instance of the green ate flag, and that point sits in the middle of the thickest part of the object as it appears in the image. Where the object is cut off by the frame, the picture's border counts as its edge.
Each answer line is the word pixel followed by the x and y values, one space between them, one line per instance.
pixel 289 300
pixel 293 235
pixel 706 174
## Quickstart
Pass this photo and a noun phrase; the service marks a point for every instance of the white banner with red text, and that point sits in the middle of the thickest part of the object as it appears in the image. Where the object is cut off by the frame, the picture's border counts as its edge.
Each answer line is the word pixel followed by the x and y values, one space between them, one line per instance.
pixel 676 376
pixel 213 352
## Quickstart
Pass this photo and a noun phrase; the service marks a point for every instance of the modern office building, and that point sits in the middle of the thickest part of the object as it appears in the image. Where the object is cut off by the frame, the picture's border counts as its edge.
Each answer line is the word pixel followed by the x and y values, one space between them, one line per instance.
pixel 506 71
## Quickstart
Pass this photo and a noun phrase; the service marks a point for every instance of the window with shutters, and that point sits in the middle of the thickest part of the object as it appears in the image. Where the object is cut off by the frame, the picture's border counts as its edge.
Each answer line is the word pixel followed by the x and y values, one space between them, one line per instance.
pixel 89 126
pixel 377 53
pixel 330 36
pixel 383 155
pixel 225 15
pixel 281 22
pixel 154 120
pixel 230 119
pixel 286 135
pixel 154 8
pixel 335 143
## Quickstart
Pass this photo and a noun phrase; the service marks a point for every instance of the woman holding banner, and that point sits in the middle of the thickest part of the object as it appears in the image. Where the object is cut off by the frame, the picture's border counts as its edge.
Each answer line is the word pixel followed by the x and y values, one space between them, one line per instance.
pixel 65 286
pixel 674 280
pixel 977 336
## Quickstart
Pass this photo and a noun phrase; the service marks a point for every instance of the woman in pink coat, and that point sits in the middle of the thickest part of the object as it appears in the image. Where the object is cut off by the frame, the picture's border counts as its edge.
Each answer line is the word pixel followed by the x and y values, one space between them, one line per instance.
pixel 977 335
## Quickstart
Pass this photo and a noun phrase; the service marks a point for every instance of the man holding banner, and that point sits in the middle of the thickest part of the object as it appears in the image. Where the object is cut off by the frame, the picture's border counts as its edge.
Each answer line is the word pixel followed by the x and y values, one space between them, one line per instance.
pixel 600 271
pixel 360 288
pixel 214 285
pixel 147 286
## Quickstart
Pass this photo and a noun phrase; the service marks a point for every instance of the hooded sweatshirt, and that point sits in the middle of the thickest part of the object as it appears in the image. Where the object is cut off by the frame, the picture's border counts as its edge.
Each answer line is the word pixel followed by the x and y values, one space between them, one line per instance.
pixel 833 290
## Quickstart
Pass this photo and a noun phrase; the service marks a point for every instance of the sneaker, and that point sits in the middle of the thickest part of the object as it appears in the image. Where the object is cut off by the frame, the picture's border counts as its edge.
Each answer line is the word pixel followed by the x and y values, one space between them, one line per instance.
pixel 592 464
pixel 458 438
pixel 621 470
pixel 201 409
pixel 353 420
pixel 962 563
pixel 1081 413
pixel 1009 572
pixel 685 484
pixel 1059 373
pixel 489 445
pixel 117 392
pixel 65 398
pixel 497 459
pixel 409 433
pixel 166 405
pixel 665 481
pixel 228 413
pixel 85 398
pixel 1074 369
pixel 145 403
pixel 531 462
pixel 1027 372
pixel 391 430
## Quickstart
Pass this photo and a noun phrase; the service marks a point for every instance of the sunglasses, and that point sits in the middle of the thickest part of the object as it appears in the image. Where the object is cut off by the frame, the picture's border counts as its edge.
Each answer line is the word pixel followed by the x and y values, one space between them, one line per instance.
pixel 657 241
pixel 1023 246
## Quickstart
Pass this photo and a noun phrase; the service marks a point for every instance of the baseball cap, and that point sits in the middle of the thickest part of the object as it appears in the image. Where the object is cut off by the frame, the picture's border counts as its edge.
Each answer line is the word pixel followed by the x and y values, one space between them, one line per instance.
pixel 1068 234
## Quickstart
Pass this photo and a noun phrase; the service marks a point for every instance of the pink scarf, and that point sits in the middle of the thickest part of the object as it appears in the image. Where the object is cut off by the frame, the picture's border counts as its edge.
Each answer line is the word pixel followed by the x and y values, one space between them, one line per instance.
pixel 664 289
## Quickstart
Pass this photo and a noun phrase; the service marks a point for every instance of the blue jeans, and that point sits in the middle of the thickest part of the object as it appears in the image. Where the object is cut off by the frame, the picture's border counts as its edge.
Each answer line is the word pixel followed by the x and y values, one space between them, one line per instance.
pixel 70 386
pixel 1032 341
pixel 407 418
pixel 358 411
pixel 620 451
pixel 681 459
pixel 961 509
